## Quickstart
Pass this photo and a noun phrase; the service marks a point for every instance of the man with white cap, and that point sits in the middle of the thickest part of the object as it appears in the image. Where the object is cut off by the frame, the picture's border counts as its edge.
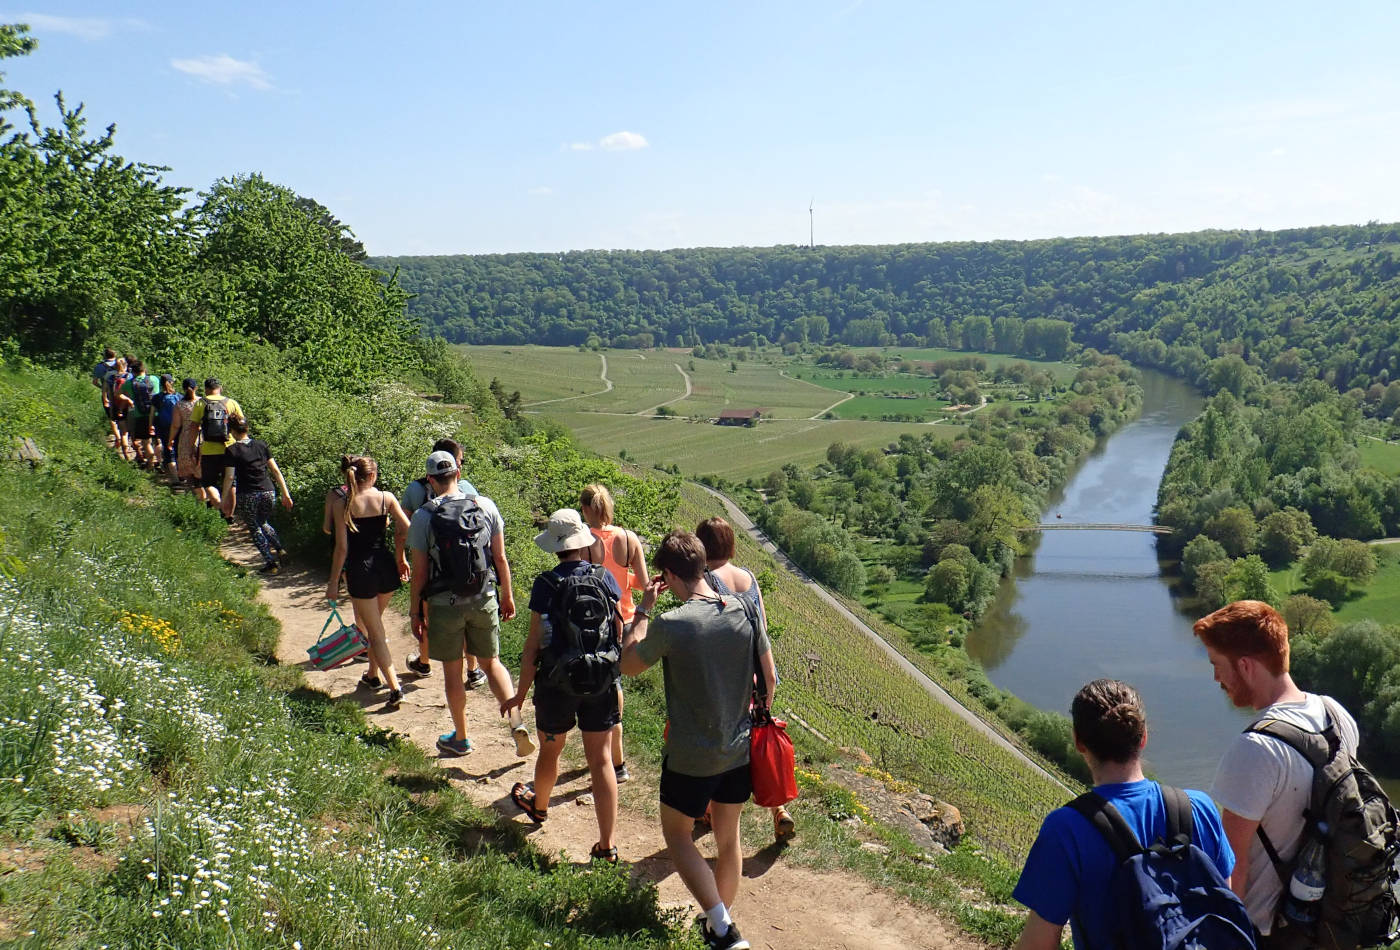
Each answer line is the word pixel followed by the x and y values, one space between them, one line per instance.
pixel 573 645
pixel 455 542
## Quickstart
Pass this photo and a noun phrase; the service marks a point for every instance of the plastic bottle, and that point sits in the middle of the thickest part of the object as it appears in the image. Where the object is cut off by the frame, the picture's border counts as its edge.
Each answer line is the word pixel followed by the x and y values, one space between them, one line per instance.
pixel 1309 880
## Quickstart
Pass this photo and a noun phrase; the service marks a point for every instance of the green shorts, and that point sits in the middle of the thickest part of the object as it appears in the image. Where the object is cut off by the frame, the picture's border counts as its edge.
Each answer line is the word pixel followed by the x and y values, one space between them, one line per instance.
pixel 472 626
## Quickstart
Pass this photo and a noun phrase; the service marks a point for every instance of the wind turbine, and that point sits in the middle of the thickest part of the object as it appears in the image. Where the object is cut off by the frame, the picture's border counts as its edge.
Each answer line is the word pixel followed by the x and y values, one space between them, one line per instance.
pixel 811 223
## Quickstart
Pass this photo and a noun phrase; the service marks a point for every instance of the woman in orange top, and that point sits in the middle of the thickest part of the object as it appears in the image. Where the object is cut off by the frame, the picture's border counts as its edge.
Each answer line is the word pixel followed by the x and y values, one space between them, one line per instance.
pixel 621 552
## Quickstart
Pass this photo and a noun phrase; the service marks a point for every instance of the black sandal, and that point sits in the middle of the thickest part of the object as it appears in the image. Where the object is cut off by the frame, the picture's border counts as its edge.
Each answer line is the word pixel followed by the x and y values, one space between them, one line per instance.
pixel 524 798
pixel 599 853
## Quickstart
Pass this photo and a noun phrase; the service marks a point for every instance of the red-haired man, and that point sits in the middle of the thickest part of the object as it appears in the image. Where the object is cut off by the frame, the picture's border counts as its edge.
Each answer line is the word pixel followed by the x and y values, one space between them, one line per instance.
pixel 1262 785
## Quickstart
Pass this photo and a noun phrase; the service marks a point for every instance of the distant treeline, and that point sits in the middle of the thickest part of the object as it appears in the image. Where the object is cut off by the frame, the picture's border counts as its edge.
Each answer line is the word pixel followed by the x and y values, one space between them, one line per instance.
pixel 1312 302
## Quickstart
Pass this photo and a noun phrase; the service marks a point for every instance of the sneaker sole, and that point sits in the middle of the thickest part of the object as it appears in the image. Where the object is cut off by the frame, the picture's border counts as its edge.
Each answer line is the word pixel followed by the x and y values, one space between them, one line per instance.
pixel 451 751
pixel 523 745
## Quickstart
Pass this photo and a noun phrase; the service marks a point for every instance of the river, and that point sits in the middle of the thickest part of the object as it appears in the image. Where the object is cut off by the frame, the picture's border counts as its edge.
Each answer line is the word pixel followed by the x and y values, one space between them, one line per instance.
pixel 1087 604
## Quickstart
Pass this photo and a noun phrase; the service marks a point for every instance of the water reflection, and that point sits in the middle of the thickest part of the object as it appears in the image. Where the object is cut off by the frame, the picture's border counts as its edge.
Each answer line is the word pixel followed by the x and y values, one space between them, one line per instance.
pixel 1087 603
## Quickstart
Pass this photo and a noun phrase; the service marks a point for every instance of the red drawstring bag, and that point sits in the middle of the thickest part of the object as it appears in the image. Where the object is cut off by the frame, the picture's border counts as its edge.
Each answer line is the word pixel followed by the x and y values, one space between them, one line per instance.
pixel 772 763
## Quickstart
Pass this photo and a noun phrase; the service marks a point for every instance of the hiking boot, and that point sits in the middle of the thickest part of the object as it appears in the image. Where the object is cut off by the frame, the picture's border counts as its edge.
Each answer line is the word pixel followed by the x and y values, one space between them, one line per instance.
pixel 416 664
pixel 523 745
pixel 449 744
pixel 623 775
pixel 395 699
pixel 270 568
pixel 730 941
pixel 371 682
pixel 475 678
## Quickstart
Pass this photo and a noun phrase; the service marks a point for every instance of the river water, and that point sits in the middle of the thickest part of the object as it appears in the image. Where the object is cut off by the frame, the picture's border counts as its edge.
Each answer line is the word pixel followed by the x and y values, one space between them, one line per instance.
pixel 1087 604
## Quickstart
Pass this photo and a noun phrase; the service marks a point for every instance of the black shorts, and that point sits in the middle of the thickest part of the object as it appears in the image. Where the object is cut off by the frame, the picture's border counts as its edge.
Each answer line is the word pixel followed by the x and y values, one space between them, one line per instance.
pixel 138 427
pixel 116 413
pixel 211 470
pixel 556 711
pixel 366 579
pixel 691 795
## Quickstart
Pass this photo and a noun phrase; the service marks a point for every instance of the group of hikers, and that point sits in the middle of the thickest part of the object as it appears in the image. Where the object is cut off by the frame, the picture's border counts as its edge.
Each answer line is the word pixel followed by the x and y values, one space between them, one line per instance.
pixel 1294 846
pixel 198 438
pixel 587 629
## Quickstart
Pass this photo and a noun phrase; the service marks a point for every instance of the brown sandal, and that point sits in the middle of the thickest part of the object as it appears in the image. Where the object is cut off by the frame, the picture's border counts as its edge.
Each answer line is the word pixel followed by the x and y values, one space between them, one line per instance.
pixel 783 825
pixel 600 853
pixel 524 798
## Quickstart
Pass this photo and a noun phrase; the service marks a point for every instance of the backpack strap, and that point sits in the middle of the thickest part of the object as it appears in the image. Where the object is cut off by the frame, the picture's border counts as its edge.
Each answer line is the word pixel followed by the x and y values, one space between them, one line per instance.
pixel 1110 823
pixel 1181 822
pixel 1315 747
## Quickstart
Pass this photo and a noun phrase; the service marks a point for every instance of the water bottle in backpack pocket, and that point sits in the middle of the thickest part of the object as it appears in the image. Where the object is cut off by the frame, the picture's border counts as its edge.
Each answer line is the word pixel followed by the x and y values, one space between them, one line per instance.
pixel 1340 889
pixel 1169 896
pixel 581 655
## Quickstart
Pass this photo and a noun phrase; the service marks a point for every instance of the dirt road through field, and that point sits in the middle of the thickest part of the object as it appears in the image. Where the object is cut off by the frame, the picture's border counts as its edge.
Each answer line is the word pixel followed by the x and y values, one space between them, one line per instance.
pixel 780 906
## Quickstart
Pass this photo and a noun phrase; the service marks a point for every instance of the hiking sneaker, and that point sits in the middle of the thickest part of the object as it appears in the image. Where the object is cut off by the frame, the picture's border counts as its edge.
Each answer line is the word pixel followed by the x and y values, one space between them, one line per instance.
pixel 416 664
pixel 270 568
pixel 371 682
pixel 395 699
pixel 623 775
pixel 475 678
pixel 730 941
pixel 523 745
pixel 449 744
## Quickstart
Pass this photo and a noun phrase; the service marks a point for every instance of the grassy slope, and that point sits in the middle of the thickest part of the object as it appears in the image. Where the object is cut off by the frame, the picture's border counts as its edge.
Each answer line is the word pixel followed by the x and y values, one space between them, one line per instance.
pixel 174 790
pixel 1378 601
pixel 1382 456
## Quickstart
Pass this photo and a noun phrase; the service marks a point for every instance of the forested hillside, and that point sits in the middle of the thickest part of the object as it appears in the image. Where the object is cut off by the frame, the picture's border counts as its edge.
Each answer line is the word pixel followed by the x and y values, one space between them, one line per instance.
pixel 1321 301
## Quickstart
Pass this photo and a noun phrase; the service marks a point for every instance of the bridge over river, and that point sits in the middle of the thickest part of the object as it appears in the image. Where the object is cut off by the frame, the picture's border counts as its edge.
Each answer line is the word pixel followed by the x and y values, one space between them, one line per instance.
pixel 1080 526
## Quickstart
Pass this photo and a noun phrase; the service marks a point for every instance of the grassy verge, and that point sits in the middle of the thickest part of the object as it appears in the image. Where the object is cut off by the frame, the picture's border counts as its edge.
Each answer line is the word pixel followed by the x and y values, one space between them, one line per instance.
pixel 164 785
pixel 1378 600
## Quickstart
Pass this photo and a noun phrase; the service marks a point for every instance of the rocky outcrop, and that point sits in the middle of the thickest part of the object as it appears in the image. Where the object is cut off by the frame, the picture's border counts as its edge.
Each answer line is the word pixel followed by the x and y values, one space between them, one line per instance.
pixel 933 825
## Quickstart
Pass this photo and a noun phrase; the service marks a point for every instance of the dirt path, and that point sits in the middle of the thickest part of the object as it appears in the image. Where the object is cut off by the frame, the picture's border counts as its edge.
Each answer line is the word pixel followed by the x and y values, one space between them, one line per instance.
pixel 780 907
pixel 736 514
pixel 603 375
pixel 685 395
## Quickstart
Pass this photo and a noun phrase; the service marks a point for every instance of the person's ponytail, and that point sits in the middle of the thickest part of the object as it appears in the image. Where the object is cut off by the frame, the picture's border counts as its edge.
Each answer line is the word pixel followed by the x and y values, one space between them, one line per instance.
pixel 349 467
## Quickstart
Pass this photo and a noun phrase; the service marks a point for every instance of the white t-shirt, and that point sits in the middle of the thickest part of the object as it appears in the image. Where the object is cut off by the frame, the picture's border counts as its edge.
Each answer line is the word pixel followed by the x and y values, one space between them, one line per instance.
pixel 1262 779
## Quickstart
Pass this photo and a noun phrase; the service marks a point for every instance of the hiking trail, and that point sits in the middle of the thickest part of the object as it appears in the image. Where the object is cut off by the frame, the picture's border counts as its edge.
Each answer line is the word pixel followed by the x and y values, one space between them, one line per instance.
pixel 780 906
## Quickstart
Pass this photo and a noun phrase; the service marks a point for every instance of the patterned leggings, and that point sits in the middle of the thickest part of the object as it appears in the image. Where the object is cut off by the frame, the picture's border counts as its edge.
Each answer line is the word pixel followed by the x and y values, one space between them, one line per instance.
pixel 256 508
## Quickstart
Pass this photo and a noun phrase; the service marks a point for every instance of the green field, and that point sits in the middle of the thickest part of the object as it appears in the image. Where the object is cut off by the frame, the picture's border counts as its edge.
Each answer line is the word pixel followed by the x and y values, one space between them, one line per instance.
pixel 1378 601
pixel 734 452
pixel 1063 372
pixel 1382 456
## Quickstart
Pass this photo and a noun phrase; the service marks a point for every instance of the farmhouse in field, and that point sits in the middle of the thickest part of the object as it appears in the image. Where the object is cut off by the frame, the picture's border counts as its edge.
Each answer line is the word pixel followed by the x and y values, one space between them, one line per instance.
pixel 739 417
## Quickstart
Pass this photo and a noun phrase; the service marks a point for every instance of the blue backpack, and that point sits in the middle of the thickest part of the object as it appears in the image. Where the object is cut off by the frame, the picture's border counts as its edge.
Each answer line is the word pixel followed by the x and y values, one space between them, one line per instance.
pixel 1170 895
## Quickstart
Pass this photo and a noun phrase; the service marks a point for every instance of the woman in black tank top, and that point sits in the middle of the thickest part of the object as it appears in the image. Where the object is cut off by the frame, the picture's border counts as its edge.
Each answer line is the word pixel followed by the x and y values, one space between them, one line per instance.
pixel 372 572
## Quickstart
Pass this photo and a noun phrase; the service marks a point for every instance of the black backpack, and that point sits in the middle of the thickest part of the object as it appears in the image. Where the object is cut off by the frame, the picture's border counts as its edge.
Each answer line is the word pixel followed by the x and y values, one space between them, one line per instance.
pixel 1170 895
pixel 142 392
pixel 214 424
pixel 582 653
pixel 1359 906
pixel 461 561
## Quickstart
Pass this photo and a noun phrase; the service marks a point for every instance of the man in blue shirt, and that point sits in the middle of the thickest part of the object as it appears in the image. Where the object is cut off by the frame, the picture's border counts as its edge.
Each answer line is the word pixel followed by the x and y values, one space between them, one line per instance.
pixel 1067 873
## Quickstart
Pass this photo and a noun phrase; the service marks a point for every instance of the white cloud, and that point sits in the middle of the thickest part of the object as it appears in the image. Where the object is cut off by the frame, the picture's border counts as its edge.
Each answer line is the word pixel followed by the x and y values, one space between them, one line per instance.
pixel 540 191
pixel 86 28
pixel 622 142
pixel 224 70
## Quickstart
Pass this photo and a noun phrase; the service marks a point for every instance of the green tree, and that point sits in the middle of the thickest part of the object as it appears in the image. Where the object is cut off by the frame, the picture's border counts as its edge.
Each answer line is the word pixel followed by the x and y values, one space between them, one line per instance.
pixel 1248 579
pixel 1235 529
pixel 1200 551
pixel 948 583
pixel 1284 534
pixel 1213 585
pixel 1307 616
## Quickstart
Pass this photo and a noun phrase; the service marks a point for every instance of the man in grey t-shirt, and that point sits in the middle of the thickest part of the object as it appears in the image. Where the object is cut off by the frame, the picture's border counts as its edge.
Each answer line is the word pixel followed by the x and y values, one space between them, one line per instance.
pixel 1261 783
pixel 707 647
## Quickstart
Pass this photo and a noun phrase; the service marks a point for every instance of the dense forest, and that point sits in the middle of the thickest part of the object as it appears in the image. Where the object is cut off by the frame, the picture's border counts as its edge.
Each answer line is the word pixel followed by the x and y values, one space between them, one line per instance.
pixel 1311 302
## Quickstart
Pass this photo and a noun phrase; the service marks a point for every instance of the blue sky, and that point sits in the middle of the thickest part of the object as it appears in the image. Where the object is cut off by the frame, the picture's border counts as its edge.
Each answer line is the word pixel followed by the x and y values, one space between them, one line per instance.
pixel 474 127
